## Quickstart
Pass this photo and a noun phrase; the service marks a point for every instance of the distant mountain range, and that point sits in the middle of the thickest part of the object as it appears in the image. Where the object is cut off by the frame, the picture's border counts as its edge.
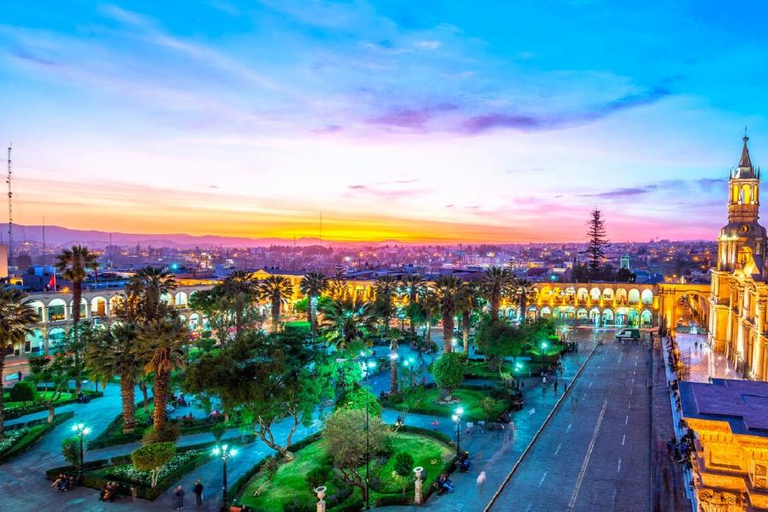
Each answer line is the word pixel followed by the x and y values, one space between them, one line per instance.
pixel 57 236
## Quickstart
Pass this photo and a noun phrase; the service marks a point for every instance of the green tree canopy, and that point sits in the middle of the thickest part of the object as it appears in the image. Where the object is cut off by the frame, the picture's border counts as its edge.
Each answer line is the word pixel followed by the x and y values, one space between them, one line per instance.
pixel 448 371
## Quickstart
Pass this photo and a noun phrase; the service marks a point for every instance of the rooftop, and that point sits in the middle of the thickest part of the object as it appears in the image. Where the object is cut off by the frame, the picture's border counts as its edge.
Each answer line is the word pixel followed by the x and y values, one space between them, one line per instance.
pixel 743 404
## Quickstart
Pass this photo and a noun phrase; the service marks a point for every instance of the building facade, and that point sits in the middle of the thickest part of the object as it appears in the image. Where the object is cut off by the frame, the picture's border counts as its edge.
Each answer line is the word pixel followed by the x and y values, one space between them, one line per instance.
pixel 739 293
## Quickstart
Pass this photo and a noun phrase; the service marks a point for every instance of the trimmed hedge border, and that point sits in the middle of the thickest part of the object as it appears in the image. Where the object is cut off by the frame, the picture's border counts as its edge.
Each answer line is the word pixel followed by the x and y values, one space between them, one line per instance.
pixel 28 441
pixel 143 492
pixel 23 411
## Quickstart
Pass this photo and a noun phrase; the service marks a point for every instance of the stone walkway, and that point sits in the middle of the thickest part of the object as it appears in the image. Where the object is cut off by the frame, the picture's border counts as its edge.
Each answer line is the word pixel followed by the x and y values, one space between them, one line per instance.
pixel 702 361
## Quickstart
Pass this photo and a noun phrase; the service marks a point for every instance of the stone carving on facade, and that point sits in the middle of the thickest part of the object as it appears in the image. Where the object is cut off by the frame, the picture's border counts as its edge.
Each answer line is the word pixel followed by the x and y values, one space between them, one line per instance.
pixel 718 501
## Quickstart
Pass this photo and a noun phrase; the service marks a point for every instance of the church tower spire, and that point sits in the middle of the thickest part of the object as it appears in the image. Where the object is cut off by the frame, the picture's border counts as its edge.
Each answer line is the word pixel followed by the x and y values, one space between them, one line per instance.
pixel 743 237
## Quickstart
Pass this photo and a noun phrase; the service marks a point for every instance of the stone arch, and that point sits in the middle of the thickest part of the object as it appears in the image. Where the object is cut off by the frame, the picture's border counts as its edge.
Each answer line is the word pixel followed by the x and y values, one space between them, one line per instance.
pixel 545 294
pixel 56 336
pixel 83 308
pixel 545 312
pixel 115 304
pixel 608 294
pixel 582 314
pixel 621 296
pixel 35 341
pixel 39 308
pixel 594 315
pixel 608 317
pixel 582 294
pixel 646 318
pixel 633 297
pixel 57 310
pixel 194 321
pixel 98 306
pixel 181 299
pixel 633 318
pixel 646 297
pixel 166 297
pixel 621 316
pixel 595 294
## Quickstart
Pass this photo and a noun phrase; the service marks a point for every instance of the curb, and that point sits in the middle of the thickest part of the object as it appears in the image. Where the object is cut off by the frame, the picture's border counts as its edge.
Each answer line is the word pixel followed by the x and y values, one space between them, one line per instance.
pixel 539 431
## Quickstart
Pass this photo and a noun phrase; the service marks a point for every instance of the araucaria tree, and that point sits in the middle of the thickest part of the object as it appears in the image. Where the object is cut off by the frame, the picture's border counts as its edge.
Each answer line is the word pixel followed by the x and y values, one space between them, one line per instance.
pixel 16 315
pixel 597 242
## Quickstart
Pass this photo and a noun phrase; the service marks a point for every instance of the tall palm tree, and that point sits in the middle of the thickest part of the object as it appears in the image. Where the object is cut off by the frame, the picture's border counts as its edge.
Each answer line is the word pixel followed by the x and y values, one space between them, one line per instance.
pixel 346 321
pixel 145 289
pixel 110 355
pixel 524 290
pixel 161 342
pixel 385 288
pixel 466 304
pixel 74 264
pixel 412 286
pixel 312 285
pixel 277 290
pixel 495 284
pixel 239 291
pixel 16 315
pixel 429 307
pixel 448 289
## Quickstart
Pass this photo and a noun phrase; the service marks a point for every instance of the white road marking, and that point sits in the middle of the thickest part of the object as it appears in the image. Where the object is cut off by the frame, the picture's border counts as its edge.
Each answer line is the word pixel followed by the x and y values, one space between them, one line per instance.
pixel 542 479
pixel 629 405
pixel 569 428
pixel 528 508
pixel 635 363
pixel 630 391
pixel 584 465
pixel 633 380
pixel 626 420
pixel 618 469
pixel 558 448
pixel 623 439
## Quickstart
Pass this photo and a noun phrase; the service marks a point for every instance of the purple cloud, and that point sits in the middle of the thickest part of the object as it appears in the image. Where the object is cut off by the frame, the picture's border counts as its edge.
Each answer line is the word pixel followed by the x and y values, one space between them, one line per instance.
pixel 623 192
pixel 21 53
pixel 414 119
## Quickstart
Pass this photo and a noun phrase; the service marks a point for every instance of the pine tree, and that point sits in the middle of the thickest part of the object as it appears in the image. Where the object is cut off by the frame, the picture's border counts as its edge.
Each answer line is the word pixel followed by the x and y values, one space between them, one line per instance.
pixel 597 243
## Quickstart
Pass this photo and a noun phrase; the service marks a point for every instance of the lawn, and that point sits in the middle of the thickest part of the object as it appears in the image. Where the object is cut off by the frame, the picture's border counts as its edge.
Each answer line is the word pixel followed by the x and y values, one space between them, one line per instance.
pixel 424 401
pixel 19 439
pixel 42 396
pixel 289 483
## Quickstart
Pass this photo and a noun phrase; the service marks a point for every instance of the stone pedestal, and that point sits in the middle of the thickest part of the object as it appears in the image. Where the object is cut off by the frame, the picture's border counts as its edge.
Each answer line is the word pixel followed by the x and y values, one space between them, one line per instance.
pixel 320 491
pixel 419 495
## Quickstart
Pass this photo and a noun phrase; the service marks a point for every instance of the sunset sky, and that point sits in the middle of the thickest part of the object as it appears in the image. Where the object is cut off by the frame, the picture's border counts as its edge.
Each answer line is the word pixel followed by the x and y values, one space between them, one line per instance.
pixel 420 121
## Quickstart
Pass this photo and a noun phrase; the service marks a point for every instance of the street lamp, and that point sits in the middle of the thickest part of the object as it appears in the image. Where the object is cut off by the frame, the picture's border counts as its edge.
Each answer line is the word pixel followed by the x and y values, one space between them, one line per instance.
pixel 518 367
pixel 225 452
pixel 543 350
pixel 369 364
pixel 457 420
pixel 81 431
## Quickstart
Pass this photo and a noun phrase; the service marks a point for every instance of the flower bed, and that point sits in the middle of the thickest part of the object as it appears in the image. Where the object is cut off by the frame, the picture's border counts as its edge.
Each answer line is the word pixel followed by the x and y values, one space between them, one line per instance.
pixel 20 438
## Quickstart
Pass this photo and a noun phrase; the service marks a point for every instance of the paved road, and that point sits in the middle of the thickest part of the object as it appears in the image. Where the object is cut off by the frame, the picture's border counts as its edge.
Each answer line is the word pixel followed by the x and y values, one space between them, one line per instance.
pixel 594 454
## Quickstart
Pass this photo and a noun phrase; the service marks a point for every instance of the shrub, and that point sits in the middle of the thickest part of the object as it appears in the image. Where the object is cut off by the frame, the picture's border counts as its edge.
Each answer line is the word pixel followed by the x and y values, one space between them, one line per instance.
pixel 319 476
pixel 153 457
pixel 448 371
pixel 23 392
pixel 298 506
pixel 168 434
pixel 70 449
pixel 403 466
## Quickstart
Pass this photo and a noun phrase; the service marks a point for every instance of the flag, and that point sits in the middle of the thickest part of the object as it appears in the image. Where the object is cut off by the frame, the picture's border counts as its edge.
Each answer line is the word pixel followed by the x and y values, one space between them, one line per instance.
pixel 52 282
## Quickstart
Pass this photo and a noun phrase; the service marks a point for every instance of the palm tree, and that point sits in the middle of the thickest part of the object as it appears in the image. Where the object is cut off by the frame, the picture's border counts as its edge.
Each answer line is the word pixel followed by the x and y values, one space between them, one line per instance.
pixel 16 315
pixel 74 264
pixel 448 289
pixel 385 289
pixel 110 355
pixel 239 291
pixel 466 304
pixel 524 291
pixel 412 286
pixel 312 285
pixel 145 290
pixel 429 307
pixel 496 282
pixel 277 290
pixel 161 342
pixel 346 321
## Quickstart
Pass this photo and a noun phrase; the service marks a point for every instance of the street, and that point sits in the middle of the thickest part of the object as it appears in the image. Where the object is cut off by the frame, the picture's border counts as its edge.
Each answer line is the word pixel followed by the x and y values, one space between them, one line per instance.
pixel 594 454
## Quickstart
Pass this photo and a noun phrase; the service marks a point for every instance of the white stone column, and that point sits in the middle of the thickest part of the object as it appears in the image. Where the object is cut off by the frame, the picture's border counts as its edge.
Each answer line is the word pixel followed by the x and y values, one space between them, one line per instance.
pixel 418 497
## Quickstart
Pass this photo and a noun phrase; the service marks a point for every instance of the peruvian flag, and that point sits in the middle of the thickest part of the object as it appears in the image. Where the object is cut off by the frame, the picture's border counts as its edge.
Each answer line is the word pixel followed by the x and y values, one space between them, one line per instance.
pixel 52 282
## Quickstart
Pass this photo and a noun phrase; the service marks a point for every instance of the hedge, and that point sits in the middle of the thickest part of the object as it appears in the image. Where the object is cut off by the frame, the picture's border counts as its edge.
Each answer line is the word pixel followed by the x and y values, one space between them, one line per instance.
pixel 143 492
pixel 23 411
pixel 30 440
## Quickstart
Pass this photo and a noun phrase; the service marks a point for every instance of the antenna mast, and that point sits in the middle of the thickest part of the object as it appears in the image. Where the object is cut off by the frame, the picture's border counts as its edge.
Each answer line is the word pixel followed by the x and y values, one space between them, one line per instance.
pixel 44 259
pixel 10 209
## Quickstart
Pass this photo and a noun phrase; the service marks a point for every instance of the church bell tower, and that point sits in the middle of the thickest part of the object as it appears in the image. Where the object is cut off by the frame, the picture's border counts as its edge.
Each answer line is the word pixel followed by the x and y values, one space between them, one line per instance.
pixel 743 238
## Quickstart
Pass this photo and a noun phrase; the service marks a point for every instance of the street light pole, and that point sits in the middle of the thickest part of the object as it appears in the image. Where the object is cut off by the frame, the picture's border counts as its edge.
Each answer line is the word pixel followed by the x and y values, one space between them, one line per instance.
pixel 365 357
pixel 457 420
pixel 543 349
pixel 81 431
pixel 225 452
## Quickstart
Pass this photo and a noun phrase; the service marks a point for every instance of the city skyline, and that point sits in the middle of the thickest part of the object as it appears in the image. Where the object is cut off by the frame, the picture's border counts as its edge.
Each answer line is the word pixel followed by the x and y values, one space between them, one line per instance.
pixel 444 124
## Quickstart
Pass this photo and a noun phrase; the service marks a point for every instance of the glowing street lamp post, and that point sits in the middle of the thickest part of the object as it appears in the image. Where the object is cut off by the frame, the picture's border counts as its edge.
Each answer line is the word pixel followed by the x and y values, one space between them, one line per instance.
pixel 224 452
pixel 543 350
pixel 457 420
pixel 369 365
pixel 81 431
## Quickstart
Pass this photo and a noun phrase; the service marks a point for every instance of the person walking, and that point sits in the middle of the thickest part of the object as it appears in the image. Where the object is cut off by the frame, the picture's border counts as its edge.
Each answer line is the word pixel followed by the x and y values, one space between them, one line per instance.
pixel 198 490
pixel 179 493
pixel 481 481
pixel 555 386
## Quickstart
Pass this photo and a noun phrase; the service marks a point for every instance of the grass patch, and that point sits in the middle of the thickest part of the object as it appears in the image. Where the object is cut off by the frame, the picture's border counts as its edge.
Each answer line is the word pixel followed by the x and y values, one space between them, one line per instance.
pixel 13 410
pixel 289 489
pixel 424 401
pixel 20 438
